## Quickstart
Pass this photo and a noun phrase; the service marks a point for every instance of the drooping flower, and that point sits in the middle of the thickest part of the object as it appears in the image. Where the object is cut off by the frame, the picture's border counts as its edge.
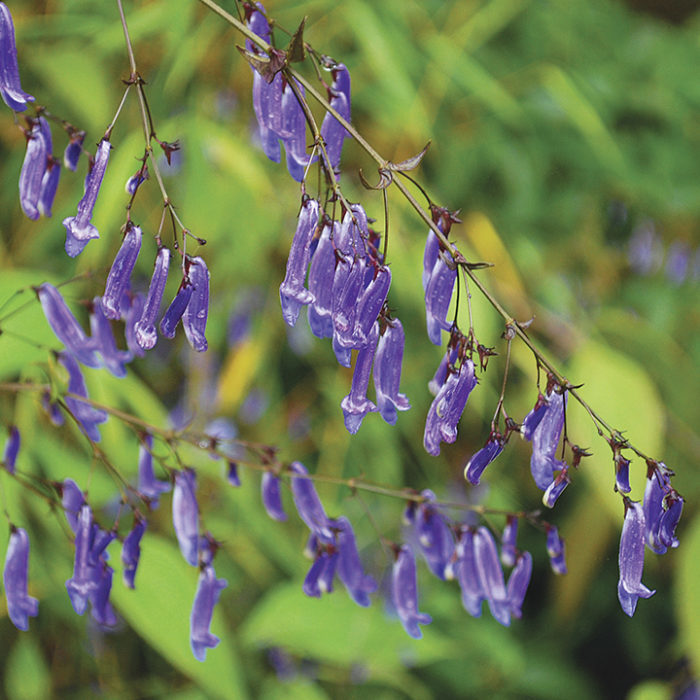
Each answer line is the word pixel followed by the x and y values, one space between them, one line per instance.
pixel 622 474
pixel 104 342
pixel 490 574
pixel 208 591
pixel 518 581
pixel 508 541
pixel 555 550
pixel 293 294
pixel 631 560
pixel 656 494
pixel 73 150
pixel 10 89
pixel 308 504
pixel 556 488
pixel 148 485
pixel 319 578
pixel 434 535
pixel 12 449
pixel 177 307
pixel 186 514
pixel 481 459
pixel 49 185
pixel 194 318
pixel 102 611
pixel 387 372
pixel 72 500
pixel 79 230
pixel 347 287
pixel 132 309
pixel 146 334
pixel 463 568
pixel 131 550
pixel 404 593
pixel 272 497
pixel 349 567
pixel 545 438
pixel 332 132
pixel 119 275
pixel 430 256
pixel 356 405
pixel 83 582
pixel 294 132
pixel 321 276
pixel 34 166
pixel 438 295
pixel 20 605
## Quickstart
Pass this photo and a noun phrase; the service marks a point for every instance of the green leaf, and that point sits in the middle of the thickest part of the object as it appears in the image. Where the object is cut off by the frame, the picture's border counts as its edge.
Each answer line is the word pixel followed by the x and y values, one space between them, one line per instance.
pixel 26 673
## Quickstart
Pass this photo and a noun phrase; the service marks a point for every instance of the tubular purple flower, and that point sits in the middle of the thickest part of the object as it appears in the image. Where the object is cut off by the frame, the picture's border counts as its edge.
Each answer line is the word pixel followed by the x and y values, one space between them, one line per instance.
pixel 404 593
pixel 119 275
pixel 20 605
pixel 332 132
pixel 65 326
pixel 556 550
pixel 622 474
pixel 657 487
pixel 208 590
pixel 146 335
pixel 441 374
pixel 83 581
pixel 481 459
pixel 356 405
pixel 319 578
pixel 79 230
pixel 556 488
pixel 83 412
pixel 132 310
pixel 350 571
pixel 434 537
pixel 186 514
pixel 33 167
pixel 508 541
pixel 518 581
pixel 430 256
pixel 669 520
pixel 73 150
pixel 102 611
pixel 387 372
pixel 294 128
pixel 148 485
pixel 532 419
pixel 347 288
pixel 104 343
pixel 12 449
pixel 370 304
pixel 342 354
pixel 438 295
pixel 177 307
pixel 293 294
pixel 321 275
pixel 194 318
pixel 49 185
pixel 545 438
pixel 52 408
pixel 131 550
pixel 631 560
pixel 467 575
pixel 10 89
pixel 72 500
pixel 490 574
pixel 272 497
pixel 308 504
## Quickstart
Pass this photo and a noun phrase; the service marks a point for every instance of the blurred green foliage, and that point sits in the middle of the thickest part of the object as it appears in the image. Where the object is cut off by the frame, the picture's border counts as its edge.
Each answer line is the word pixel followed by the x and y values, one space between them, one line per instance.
pixel 563 131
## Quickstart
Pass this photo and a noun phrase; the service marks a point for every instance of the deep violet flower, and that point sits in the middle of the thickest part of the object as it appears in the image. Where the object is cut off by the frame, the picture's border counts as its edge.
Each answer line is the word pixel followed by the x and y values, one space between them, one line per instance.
pixel 12 449
pixel 20 605
pixel 186 514
pixel 387 372
pixel 232 475
pixel 319 578
pixel 349 567
pixel 631 560
pixel 10 89
pixel 208 590
pixel 177 307
pixel 356 405
pixel 545 438
pixel 79 230
pixel 332 132
pixel 131 550
pixel 622 474
pixel 194 318
pixel 83 582
pixel 293 294
pixel 308 504
pixel 148 485
pixel 272 496
pixel 146 334
pixel 73 150
pixel 119 275
pixel 404 593
pixel 532 419
pixel 34 167
pixel 481 459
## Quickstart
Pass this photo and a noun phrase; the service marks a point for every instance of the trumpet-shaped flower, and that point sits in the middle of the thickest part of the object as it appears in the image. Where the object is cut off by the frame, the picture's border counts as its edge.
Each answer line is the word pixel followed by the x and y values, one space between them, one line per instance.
pixel 145 328
pixel 119 275
pixel 208 591
pixel 272 497
pixel 631 560
pixel 10 89
pixel 194 318
pixel 186 514
pixel 387 372
pixel 20 605
pixel 356 405
pixel 404 593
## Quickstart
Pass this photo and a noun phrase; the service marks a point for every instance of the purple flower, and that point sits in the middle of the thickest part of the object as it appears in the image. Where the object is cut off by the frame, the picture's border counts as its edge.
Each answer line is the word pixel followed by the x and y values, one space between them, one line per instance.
pixel 370 304
pixel 131 550
pixel 669 520
pixel 555 550
pixel 272 497
pixel 120 273
pixel 387 372
pixel 476 465
pixel 349 568
pixel 49 185
pixel 102 611
pixel 10 89
pixel 83 582
pixel 20 605
pixel 194 318
pixel 132 309
pixel 293 294
pixel 441 373
pixel 34 166
pixel 208 590
pixel 232 474
pixel 177 307
pixel 65 325
pixel 148 486
pixel 52 408
pixel 657 490
pixel 79 230
pixel 545 438
pixel 135 181
pixel 622 474
pixel 11 449
pixel 332 133
pixel 509 538
pixel 146 335
pixel 321 276
pixel 72 500
pixel 319 578
pixel 73 150
pixel 87 416
pixel 490 574
pixel 294 132
pixel 404 593
pixel 532 419
pixel 430 256
pixel 556 488
pixel 630 587
pixel 186 514
pixel 308 504
pixel 466 573
pixel 356 405
pixel 104 343
pixel 518 581
pixel 434 536
pixel 438 295
pixel 347 287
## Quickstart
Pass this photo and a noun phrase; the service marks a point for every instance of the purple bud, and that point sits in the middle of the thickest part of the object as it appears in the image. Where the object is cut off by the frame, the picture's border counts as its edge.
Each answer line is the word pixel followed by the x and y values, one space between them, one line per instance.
pixel 308 504
pixel 10 89
pixel 65 325
pixel 194 318
pixel 332 133
pixel 508 541
pixel 135 181
pixel 490 574
pixel 293 294
pixel 555 550
pixel 104 343
pixel 34 166
pixel 272 497
pixel 72 500
pixel 555 489
pixel 49 185
pixel 131 550
pixel 120 273
pixel 186 514
pixel 404 593
pixel 476 465
pixel 177 307
pixel 11 449
pixel 518 582
pixel 208 590
pixel 20 605
pixel 146 335
pixel 356 405
pixel 79 230
pixel 73 150
pixel 669 520
pixel 622 474
pixel 630 587
pixel 148 485
pixel 350 571
pixel 438 295
pixel 387 372
pixel 321 276
pixel 545 438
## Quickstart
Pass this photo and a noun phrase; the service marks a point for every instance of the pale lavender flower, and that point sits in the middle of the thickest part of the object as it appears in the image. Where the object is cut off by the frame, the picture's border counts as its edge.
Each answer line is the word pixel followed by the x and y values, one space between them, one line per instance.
pixel 148 485
pixel 73 150
pixel 481 459
pixel 20 605
pixel 34 166
pixel 131 550
pixel 387 372
pixel 208 590
pixel 293 294
pixel 349 568
pixel 79 230
pixel 518 581
pixel 508 541
pixel 404 593
pixel 10 89
pixel 347 288
pixel 556 488
pixel 119 275
pixel 438 295
pixel 545 438
pixel 631 560
pixel 103 341
pixel 194 318
pixel 146 335
pixel 332 132
pixel 177 307
pixel 321 276
pixel 490 574
pixel 186 514
pixel 294 128
pixel 555 550
pixel 272 496
pixel 356 405
pixel 308 504
pixel 12 449
pixel 370 304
